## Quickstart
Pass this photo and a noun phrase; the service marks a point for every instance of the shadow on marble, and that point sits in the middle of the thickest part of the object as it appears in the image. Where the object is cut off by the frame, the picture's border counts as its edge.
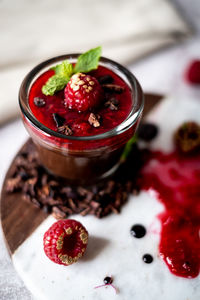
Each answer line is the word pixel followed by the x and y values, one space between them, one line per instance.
pixel 95 246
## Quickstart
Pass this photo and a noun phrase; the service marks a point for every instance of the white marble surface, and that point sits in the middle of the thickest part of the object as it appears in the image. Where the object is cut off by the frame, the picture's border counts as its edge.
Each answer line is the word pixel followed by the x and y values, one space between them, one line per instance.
pixel 162 72
pixel 111 249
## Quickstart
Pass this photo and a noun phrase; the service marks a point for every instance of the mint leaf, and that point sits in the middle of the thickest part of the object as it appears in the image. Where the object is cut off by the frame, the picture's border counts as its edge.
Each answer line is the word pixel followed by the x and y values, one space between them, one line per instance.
pixel 57 82
pixel 65 69
pixel 54 84
pixel 128 148
pixel 88 61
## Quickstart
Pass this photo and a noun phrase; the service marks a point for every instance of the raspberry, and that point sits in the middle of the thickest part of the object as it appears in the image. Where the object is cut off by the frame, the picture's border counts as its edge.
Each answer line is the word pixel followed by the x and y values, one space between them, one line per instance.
pixel 187 137
pixel 65 241
pixel 82 93
pixel 193 72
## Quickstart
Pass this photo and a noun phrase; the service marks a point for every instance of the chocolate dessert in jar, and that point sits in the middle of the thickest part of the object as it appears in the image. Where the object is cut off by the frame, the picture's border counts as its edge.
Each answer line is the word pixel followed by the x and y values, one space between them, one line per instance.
pixel 80 111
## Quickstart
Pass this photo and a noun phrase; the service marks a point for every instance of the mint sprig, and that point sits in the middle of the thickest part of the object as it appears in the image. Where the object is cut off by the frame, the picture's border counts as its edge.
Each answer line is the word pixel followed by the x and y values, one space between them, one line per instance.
pixel 65 69
pixel 86 62
pixel 54 84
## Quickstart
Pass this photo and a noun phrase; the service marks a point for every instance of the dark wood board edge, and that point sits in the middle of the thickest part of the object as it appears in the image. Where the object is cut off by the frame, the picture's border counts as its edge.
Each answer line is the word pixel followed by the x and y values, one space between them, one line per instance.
pixel 20 218
pixel 14 229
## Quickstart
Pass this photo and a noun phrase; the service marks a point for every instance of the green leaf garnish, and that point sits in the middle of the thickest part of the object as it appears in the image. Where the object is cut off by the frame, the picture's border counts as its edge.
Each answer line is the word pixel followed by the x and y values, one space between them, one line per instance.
pixel 65 69
pixel 86 62
pixel 128 148
pixel 54 84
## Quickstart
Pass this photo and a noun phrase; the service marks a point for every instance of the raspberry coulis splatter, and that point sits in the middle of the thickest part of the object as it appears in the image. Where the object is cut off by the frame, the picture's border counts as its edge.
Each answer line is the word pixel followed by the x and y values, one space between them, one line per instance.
pixel 79 121
pixel 176 180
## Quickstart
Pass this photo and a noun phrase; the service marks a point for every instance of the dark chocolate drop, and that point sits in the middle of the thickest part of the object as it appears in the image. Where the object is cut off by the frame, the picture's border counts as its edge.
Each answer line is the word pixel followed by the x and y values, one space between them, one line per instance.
pixel 138 231
pixel 108 280
pixel 147 258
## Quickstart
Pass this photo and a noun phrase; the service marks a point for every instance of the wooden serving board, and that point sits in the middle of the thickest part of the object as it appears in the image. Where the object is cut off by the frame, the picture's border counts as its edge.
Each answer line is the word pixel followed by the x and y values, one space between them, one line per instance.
pixel 20 218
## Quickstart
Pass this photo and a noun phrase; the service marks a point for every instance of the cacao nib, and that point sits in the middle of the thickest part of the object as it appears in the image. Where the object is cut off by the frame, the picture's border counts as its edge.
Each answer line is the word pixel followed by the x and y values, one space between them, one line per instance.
pixel 65 129
pixel 58 120
pixel 85 211
pixel 53 196
pixel 113 88
pixel 113 104
pixel 105 79
pixel 94 120
pixel 13 184
pixel 36 202
pixel 39 102
pixel 58 213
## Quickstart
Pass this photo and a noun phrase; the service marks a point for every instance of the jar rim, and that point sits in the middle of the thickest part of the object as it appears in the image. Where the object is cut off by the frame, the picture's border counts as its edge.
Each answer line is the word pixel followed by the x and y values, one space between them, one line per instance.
pixel 134 115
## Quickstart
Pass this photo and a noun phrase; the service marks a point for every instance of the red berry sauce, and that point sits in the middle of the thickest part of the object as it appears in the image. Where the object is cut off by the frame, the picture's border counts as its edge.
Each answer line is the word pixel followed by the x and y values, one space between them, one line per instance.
pixel 78 122
pixel 176 179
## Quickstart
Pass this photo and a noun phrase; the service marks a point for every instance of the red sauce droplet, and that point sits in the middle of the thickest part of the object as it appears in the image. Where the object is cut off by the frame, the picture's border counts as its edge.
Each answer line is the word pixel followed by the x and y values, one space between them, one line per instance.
pixel 176 180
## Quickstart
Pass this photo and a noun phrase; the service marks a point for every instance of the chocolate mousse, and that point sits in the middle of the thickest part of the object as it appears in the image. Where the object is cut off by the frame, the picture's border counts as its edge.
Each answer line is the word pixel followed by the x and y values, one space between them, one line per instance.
pixel 81 116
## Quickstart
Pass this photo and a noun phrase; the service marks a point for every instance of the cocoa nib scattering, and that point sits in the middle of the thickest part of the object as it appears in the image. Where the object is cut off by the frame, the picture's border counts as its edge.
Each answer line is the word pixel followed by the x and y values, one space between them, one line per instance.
pixel 39 102
pixel 94 120
pixel 53 195
pixel 112 103
pixel 113 88
pixel 65 129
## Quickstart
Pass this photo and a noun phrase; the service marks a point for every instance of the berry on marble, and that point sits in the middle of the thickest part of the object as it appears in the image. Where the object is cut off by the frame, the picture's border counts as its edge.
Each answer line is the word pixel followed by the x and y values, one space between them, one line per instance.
pixel 65 241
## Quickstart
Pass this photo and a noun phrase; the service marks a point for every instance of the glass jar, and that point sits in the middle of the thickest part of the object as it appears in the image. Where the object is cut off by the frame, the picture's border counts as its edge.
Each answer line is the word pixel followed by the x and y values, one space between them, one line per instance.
pixel 86 159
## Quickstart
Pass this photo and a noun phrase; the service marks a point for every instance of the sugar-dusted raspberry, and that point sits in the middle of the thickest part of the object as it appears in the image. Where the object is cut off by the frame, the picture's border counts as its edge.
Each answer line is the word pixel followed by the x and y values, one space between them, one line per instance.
pixel 65 241
pixel 193 72
pixel 82 93
pixel 187 137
